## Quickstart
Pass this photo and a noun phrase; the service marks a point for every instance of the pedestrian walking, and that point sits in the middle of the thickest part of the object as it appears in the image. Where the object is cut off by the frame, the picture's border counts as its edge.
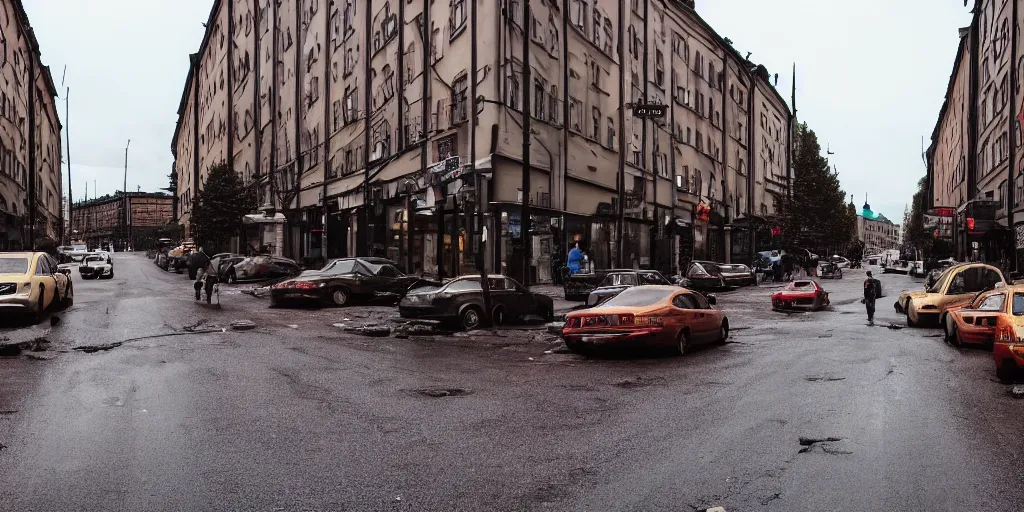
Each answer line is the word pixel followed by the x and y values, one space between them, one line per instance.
pixel 872 290
pixel 201 263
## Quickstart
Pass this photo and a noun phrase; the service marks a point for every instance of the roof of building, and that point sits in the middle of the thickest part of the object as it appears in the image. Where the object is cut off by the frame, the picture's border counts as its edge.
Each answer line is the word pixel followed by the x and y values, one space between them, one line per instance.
pixel 109 198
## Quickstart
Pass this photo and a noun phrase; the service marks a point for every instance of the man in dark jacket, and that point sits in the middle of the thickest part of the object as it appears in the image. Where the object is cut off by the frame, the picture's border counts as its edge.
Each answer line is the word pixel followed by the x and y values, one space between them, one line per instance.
pixel 200 263
pixel 872 290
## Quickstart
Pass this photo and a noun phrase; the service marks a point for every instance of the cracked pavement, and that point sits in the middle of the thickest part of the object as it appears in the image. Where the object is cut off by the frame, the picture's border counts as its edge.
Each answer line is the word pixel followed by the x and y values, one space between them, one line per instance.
pixel 799 412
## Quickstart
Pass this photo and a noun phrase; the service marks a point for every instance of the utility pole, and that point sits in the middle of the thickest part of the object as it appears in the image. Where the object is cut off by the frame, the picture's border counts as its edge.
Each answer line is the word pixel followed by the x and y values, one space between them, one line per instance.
pixel 478 182
pixel 32 171
pixel 527 87
pixel 67 147
pixel 125 202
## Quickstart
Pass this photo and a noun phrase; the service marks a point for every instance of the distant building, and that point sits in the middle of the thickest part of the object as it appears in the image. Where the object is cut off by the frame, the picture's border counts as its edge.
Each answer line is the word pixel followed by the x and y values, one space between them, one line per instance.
pixel 99 221
pixel 876 231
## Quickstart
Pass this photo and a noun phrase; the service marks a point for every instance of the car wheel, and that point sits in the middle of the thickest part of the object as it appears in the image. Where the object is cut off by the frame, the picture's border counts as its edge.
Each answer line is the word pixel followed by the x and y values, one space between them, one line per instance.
pixel 910 322
pixel 1007 373
pixel 682 343
pixel 471 318
pixel 40 305
pixel 723 332
pixel 954 336
pixel 339 296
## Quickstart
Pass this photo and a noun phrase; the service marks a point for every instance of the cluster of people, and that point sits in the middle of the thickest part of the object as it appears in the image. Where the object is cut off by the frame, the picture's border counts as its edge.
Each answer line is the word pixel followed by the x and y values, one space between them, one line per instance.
pixel 787 267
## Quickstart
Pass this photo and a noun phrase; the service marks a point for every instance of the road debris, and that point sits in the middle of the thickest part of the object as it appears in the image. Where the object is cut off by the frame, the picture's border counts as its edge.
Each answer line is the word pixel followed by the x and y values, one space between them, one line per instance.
pixel 372 330
pixel 243 325
pixel 1017 392
pixel 894 327
pixel 823 379
pixel 38 357
pixel 822 443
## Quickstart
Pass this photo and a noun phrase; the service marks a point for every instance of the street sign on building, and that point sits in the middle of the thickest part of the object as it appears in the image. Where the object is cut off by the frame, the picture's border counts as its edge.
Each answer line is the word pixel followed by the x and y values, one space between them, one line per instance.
pixel 650 111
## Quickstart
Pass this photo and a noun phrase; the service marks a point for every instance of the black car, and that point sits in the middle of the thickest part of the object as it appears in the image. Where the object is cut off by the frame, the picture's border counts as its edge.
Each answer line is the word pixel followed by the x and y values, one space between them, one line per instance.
pixel 619 280
pixel 344 280
pixel 462 300
pixel 705 275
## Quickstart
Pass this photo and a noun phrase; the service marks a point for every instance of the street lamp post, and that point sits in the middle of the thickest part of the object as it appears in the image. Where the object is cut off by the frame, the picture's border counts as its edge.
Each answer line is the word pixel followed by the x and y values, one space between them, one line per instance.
pixel 124 190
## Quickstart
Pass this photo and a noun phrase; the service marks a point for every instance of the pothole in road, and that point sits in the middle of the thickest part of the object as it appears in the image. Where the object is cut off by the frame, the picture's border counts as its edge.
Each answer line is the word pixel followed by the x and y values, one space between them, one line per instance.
pixel 639 382
pixel 824 444
pixel 823 378
pixel 439 392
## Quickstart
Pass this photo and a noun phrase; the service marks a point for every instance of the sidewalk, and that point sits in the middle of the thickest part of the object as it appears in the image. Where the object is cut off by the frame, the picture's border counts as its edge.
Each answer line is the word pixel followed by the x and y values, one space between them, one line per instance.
pixel 557 295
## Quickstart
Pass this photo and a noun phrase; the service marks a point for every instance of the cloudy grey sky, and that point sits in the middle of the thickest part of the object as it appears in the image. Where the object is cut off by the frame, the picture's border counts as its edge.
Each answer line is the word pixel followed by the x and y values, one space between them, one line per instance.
pixel 126 66
pixel 870 79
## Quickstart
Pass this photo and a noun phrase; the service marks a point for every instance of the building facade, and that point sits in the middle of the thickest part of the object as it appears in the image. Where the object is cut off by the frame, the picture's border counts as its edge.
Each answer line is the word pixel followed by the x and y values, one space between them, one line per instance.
pixel 877 232
pixel 974 160
pixel 98 222
pixel 363 129
pixel 30 136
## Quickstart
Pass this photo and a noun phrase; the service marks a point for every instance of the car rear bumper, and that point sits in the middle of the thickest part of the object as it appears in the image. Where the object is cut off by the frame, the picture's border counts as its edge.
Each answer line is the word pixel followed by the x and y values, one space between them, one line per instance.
pixel 639 338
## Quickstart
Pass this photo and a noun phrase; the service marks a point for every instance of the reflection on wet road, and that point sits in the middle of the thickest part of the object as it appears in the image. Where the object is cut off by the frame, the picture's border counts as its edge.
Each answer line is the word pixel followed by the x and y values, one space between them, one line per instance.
pixel 804 411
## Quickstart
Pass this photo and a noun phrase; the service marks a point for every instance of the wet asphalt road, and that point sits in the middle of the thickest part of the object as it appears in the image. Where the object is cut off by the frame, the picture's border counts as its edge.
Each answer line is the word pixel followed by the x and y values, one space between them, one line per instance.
pixel 297 415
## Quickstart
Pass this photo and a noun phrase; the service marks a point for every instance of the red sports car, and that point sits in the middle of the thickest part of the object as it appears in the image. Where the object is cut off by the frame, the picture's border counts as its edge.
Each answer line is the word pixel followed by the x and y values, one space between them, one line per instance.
pixel 803 294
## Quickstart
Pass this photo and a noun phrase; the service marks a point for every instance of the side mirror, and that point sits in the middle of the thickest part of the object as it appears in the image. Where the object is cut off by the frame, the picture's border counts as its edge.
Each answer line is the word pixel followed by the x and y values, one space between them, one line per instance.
pixel 712 300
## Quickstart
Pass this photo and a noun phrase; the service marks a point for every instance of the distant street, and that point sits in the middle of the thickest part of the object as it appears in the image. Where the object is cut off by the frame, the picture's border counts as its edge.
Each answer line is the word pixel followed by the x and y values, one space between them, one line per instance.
pixel 299 415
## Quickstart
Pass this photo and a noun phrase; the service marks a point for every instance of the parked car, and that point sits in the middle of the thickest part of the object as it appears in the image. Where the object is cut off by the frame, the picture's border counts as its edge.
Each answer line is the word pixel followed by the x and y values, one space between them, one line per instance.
pixel 801 294
pixel 96 267
pixel 974 322
pixel 1008 340
pixel 956 285
pixel 896 267
pixel 31 282
pixel 737 274
pixel 619 280
pixel 705 275
pixel 461 301
pixel 346 280
pixel 260 268
pixel 647 317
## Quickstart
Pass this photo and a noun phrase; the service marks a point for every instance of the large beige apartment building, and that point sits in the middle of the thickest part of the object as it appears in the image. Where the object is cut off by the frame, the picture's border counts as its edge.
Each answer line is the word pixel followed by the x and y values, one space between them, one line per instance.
pixel 974 160
pixel 353 121
pixel 30 137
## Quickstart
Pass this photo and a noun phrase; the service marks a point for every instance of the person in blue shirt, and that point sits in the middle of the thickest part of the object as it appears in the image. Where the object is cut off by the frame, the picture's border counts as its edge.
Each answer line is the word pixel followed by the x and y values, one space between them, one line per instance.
pixel 575 259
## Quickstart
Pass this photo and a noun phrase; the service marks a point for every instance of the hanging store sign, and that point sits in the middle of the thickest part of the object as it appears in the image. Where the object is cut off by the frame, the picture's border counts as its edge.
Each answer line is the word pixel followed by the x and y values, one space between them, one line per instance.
pixel 446 171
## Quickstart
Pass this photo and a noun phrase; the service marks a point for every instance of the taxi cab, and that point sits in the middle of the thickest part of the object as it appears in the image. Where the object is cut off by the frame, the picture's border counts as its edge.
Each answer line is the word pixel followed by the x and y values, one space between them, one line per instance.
pixel 956 285
pixel 31 282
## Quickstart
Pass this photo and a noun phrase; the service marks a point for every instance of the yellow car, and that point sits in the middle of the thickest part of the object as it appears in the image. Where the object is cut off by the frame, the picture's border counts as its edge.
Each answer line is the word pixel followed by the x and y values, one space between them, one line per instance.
pixel 956 285
pixel 31 282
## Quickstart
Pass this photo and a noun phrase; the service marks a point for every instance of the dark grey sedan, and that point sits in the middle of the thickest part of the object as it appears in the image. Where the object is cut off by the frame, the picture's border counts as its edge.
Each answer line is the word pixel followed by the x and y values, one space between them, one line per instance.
pixel 615 282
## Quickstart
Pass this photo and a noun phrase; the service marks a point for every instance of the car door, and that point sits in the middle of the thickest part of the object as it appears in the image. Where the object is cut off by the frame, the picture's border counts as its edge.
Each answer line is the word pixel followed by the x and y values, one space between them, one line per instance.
pixel 59 278
pixel 387 280
pixel 501 297
pixel 958 289
pixel 979 318
pixel 707 319
pixel 521 300
pixel 686 315
pixel 45 275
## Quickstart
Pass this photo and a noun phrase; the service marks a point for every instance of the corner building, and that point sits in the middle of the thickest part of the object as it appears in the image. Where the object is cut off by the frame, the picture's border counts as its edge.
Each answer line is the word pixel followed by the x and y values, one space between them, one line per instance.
pixel 353 121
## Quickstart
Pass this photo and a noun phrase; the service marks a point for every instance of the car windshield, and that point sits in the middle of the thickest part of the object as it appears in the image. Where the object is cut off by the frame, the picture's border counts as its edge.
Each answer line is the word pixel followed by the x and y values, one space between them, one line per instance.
pixel 1018 304
pixel 733 268
pixel 940 282
pixel 800 286
pixel 340 267
pixel 638 296
pixel 13 265
pixel 94 258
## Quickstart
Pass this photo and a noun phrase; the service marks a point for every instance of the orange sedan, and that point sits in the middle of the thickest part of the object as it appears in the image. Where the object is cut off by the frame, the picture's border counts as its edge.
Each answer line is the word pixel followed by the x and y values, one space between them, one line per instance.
pixel 1008 348
pixel 648 317
pixel 974 322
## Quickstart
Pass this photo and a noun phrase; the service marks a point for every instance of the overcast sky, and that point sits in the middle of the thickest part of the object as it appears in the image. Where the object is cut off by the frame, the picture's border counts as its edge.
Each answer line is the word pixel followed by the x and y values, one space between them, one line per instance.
pixel 871 76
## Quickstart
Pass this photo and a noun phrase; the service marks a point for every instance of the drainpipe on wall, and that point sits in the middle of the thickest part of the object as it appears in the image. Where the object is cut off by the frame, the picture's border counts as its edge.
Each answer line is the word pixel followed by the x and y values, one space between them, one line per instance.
pixel 1010 182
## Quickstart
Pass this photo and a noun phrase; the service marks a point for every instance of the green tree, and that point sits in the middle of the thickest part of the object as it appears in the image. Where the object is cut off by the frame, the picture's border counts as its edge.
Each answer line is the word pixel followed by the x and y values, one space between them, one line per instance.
pixel 817 216
pixel 914 234
pixel 218 208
